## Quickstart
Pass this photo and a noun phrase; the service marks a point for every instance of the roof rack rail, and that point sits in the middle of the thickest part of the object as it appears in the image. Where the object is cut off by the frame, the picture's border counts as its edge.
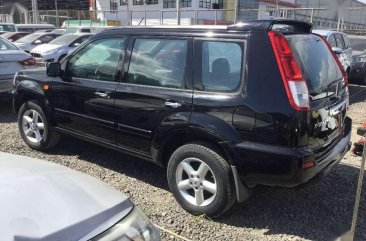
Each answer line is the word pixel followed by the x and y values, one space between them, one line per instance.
pixel 282 25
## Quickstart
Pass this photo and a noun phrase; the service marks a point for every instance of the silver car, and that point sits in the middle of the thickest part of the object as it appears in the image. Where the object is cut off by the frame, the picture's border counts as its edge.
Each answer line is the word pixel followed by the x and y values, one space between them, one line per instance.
pixel 340 45
pixel 32 40
pixel 58 48
pixel 12 60
pixel 41 200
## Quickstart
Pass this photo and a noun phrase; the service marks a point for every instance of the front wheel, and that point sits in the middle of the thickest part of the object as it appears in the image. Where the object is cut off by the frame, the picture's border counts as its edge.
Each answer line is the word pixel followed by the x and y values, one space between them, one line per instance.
pixel 201 180
pixel 34 127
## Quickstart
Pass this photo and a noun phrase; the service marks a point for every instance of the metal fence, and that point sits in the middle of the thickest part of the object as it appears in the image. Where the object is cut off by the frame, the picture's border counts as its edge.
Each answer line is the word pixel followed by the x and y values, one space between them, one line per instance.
pixel 318 16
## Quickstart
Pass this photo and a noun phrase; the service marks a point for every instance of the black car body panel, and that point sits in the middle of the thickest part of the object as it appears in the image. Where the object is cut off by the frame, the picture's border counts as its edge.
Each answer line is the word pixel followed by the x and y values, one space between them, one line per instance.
pixel 254 126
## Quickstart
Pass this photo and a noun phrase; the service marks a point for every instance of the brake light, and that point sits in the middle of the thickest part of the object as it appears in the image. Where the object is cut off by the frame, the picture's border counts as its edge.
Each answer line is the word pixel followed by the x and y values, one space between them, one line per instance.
pixel 292 77
pixel 345 76
pixel 28 62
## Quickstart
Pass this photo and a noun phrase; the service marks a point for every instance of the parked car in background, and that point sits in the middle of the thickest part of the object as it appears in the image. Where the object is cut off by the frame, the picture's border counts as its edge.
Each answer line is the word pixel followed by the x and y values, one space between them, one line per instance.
pixel 358 67
pixel 8 27
pixel 223 108
pixel 31 28
pixel 40 200
pixel 31 41
pixel 14 36
pixel 12 60
pixel 58 48
pixel 340 45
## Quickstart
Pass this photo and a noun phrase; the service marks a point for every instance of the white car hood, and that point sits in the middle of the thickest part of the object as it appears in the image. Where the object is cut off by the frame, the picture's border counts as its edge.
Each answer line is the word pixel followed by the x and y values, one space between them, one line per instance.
pixel 45 47
pixel 40 200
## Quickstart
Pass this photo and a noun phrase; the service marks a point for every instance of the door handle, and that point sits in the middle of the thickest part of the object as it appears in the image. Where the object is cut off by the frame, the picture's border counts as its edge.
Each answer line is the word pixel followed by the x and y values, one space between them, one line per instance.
pixel 102 94
pixel 173 104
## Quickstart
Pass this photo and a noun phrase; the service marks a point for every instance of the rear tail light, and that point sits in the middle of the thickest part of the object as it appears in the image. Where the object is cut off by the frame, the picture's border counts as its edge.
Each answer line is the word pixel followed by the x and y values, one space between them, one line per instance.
pixel 345 76
pixel 28 62
pixel 293 80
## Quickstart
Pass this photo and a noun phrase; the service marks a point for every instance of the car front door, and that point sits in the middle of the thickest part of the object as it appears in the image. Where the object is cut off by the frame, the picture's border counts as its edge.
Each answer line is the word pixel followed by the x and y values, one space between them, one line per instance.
pixel 156 93
pixel 84 99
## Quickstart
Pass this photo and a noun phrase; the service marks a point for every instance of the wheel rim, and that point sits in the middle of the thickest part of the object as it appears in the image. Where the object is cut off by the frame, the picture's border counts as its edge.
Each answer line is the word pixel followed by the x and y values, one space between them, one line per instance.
pixel 196 182
pixel 33 126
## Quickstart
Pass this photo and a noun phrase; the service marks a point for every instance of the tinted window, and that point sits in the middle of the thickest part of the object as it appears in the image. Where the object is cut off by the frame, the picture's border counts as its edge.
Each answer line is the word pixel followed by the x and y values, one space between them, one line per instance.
pixel 317 62
pixel 47 38
pixel 221 65
pixel 97 60
pixel 158 62
pixel 339 40
pixel 346 41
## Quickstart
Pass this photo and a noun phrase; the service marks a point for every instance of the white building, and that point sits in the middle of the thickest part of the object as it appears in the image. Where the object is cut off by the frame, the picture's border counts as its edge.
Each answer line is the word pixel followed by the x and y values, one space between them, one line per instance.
pixel 156 12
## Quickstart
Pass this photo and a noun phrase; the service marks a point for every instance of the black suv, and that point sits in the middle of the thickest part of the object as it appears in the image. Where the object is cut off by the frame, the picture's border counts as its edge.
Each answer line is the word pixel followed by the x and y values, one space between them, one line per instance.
pixel 222 108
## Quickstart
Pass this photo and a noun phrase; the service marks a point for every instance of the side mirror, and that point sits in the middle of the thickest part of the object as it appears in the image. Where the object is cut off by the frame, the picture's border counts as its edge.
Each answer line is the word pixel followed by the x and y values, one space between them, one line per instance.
pixel 37 41
pixel 337 50
pixel 53 69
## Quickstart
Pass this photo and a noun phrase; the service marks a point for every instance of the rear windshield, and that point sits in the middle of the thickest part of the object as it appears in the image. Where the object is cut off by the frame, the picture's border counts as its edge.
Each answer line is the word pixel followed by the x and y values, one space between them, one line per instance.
pixel 29 38
pixel 317 63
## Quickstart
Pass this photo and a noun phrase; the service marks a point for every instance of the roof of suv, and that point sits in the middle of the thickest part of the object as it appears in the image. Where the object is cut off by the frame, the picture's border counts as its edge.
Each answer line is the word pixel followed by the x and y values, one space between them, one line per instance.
pixel 285 25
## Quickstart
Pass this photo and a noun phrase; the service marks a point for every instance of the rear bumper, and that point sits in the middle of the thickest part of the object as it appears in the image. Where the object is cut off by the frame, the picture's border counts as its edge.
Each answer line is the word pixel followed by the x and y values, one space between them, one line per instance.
pixel 260 164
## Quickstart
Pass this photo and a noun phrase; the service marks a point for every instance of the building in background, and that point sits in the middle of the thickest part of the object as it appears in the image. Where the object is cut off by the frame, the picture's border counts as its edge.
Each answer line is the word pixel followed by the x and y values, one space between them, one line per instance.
pixel 324 14
pixel 339 14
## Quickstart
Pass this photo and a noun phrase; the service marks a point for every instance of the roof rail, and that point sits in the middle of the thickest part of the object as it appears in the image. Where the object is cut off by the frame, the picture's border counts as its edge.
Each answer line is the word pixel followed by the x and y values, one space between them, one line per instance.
pixel 282 25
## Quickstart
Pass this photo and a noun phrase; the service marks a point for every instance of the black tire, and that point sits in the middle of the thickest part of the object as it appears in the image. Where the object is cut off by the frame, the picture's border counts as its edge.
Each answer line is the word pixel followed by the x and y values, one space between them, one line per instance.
pixel 221 170
pixel 61 57
pixel 50 137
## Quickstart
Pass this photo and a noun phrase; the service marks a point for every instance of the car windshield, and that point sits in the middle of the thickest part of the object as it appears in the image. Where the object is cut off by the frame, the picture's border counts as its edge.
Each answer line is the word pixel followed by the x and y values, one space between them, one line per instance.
pixel 65 39
pixel 7 28
pixel 317 62
pixel 29 38
pixel 5 45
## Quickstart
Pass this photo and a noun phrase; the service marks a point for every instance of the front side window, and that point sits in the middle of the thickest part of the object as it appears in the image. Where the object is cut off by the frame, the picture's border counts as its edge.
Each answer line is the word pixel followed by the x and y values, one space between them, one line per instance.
pixel 332 41
pixel 98 60
pixel 221 65
pixel 158 62
pixel 339 41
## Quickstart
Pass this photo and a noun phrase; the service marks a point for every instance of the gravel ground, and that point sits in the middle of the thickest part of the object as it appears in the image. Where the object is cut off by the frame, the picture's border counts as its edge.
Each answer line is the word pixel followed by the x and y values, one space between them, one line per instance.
pixel 322 211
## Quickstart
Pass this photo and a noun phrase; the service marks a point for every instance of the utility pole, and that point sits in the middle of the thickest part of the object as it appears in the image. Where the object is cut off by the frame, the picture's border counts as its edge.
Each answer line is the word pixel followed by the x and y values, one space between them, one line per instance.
pixel 35 11
pixel 57 17
pixel 177 3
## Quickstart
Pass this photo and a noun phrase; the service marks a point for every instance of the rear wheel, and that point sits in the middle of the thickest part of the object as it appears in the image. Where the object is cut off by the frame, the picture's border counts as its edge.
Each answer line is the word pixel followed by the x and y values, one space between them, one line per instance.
pixel 34 127
pixel 201 180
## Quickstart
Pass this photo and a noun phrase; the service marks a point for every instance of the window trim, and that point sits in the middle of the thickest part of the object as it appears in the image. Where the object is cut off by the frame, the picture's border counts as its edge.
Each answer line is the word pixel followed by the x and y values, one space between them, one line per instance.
pixel 197 83
pixel 188 81
pixel 119 69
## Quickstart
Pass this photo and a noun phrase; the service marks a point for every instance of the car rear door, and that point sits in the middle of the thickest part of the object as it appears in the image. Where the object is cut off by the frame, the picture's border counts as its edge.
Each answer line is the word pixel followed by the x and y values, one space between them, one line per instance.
pixel 84 99
pixel 156 93
pixel 327 89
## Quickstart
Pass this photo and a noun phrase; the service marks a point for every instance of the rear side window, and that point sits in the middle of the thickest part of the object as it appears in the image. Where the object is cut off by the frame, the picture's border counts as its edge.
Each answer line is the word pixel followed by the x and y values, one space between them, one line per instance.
pixel 317 62
pixel 220 68
pixel 158 62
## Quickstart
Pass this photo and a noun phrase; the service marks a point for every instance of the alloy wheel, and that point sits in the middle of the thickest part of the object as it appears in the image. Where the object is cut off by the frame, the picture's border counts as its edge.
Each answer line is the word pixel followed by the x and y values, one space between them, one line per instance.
pixel 196 182
pixel 33 126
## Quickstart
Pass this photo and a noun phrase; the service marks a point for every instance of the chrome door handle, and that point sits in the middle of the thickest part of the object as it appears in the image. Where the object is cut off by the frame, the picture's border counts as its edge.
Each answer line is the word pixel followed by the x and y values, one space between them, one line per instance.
pixel 102 94
pixel 173 104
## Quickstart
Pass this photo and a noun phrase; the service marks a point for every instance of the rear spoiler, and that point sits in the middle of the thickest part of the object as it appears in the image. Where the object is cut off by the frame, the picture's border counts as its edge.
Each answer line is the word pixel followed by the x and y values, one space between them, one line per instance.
pixel 281 25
